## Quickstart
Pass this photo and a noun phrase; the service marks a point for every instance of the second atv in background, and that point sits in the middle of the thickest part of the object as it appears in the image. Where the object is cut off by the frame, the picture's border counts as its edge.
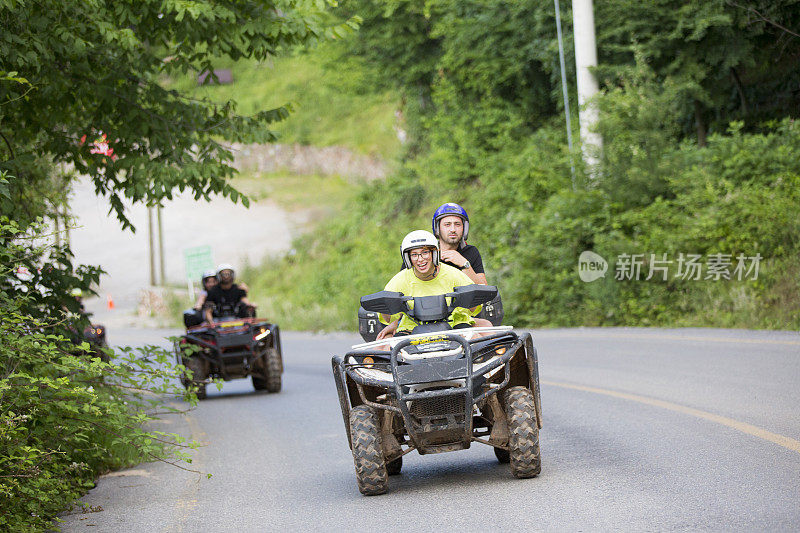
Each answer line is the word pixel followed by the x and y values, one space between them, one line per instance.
pixel 232 343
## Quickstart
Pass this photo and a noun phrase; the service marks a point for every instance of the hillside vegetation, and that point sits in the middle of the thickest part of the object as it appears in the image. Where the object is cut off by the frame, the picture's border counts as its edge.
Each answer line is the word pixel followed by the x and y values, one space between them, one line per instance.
pixel 338 108
pixel 698 162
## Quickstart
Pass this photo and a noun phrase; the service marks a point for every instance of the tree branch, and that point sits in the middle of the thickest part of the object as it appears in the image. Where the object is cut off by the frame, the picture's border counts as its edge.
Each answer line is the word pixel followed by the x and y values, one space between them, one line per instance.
pixel 762 17
pixel 11 150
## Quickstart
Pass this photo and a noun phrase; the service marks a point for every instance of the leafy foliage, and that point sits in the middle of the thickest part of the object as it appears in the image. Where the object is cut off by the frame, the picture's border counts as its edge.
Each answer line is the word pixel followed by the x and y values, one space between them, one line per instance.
pixel 93 67
pixel 81 93
pixel 66 417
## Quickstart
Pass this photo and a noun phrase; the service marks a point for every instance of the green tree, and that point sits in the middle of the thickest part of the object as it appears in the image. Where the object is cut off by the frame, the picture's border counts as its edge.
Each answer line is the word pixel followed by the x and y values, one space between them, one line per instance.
pixel 80 87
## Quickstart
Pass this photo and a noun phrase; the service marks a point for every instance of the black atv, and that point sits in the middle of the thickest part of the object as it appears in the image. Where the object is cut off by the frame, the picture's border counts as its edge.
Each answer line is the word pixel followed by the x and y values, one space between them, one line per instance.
pixel 439 389
pixel 232 348
pixel 93 334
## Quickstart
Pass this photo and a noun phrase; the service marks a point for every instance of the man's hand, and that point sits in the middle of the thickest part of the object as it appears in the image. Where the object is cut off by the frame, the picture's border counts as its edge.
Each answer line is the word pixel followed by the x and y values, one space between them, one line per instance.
pixel 452 256
pixel 388 331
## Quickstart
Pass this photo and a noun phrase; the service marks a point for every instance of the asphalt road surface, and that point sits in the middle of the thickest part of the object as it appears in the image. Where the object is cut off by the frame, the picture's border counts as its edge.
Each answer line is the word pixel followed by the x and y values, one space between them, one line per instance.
pixel 644 430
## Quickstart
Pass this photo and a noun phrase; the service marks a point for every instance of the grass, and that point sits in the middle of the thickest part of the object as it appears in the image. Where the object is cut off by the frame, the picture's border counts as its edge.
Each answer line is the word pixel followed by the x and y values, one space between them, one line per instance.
pixel 326 91
pixel 295 192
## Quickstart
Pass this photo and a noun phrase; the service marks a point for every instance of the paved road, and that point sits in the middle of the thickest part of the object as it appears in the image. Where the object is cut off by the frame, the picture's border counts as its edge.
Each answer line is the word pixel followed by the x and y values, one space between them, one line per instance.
pixel 643 430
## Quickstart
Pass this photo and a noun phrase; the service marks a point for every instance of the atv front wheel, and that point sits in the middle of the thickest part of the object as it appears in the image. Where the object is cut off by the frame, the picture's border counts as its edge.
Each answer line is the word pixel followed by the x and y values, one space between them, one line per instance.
pixel 523 441
pixel 367 453
pixel 198 376
pixel 270 378
pixel 274 368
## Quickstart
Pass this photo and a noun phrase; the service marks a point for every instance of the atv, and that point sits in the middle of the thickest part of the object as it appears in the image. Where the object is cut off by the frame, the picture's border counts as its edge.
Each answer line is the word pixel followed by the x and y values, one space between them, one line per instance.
pixel 93 334
pixel 439 389
pixel 231 348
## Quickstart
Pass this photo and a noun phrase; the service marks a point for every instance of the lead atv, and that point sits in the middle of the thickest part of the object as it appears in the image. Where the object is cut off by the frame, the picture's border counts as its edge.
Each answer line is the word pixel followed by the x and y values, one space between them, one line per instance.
pixel 439 389
pixel 231 348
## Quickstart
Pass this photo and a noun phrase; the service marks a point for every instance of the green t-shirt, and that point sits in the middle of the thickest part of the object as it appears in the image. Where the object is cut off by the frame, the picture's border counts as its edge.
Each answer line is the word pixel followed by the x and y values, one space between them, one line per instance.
pixel 446 279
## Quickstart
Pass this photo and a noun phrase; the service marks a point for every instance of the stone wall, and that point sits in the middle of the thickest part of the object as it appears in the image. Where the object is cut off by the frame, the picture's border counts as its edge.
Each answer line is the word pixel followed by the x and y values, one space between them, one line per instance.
pixel 300 159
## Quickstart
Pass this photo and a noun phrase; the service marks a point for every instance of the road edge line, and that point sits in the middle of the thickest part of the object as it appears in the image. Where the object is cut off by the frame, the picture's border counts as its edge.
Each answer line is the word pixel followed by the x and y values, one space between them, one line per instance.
pixel 743 427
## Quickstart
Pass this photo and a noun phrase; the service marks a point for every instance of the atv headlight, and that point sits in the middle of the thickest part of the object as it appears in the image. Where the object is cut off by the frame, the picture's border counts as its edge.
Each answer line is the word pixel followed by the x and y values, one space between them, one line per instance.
pixel 264 333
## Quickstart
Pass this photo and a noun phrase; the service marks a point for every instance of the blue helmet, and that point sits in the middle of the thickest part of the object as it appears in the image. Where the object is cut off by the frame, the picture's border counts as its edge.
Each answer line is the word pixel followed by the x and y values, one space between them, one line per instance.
pixel 446 210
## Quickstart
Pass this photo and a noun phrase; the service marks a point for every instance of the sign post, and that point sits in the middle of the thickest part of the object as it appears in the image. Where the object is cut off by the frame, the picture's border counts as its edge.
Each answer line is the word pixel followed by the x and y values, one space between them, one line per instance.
pixel 197 261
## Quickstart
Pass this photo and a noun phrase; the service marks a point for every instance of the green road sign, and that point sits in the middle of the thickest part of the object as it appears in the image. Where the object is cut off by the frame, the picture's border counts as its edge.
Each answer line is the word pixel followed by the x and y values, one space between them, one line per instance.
pixel 198 260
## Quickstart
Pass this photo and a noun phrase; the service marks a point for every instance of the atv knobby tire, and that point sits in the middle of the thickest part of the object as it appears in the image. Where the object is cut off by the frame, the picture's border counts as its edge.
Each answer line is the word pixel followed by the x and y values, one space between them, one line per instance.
pixel 195 364
pixel 274 368
pixel 270 379
pixel 523 441
pixel 393 467
pixel 502 455
pixel 367 453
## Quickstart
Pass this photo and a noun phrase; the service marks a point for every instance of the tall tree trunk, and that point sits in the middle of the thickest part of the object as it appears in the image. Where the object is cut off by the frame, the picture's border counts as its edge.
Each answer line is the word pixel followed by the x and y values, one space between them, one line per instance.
pixel 699 123
pixel 738 82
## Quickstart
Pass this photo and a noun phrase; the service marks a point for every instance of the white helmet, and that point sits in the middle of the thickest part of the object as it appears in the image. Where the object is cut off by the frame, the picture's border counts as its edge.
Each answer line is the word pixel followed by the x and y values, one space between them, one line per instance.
pixel 225 266
pixel 418 239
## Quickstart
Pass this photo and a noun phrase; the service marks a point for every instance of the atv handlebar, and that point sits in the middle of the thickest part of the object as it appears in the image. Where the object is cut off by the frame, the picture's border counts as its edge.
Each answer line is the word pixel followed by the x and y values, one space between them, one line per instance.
pixel 429 308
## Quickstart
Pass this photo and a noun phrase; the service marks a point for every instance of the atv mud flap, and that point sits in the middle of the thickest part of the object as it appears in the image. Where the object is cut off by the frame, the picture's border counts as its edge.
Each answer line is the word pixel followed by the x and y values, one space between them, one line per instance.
pixel 344 399
pixel 532 360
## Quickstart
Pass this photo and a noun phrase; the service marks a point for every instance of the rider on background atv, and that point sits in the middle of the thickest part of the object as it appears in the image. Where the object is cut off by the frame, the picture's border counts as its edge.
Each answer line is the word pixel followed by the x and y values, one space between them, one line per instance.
pixel 208 280
pixel 227 298
pixel 425 275
pixel 194 316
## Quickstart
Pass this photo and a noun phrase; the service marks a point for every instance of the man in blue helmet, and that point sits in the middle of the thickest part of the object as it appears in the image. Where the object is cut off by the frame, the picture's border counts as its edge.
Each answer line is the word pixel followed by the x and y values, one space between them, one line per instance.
pixel 450 225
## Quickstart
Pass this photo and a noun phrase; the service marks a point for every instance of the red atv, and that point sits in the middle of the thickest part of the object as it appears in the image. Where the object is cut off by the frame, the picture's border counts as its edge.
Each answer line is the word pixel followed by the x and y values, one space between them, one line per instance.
pixel 232 348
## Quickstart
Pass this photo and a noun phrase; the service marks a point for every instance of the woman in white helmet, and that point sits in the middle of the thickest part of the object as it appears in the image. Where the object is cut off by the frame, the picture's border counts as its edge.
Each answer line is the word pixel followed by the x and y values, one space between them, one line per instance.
pixel 425 275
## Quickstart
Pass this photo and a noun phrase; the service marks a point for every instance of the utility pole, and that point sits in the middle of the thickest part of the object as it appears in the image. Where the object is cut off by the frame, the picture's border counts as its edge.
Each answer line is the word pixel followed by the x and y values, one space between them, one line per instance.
pixel 150 231
pixel 161 269
pixel 585 59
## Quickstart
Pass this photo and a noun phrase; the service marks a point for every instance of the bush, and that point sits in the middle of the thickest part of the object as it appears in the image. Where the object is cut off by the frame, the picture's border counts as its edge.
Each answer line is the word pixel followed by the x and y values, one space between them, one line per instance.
pixel 66 417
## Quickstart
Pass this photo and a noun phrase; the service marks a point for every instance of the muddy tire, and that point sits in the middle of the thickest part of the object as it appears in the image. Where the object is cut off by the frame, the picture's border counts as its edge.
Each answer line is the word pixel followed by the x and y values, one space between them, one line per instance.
pixel 197 367
pixel 502 455
pixel 367 453
pixel 274 370
pixel 393 467
pixel 269 378
pixel 523 441
pixel 259 383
